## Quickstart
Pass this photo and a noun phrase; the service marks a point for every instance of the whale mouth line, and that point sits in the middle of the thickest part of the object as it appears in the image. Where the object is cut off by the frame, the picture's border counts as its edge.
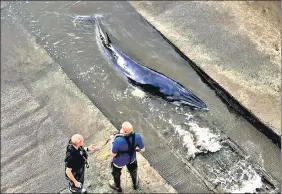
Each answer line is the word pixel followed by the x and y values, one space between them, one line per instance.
pixel 193 106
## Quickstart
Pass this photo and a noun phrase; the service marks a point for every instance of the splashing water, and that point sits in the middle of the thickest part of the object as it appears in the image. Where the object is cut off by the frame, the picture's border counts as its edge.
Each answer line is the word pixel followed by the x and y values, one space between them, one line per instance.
pixel 187 141
pixel 241 178
pixel 205 140
pixel 138 93
pixel 197 139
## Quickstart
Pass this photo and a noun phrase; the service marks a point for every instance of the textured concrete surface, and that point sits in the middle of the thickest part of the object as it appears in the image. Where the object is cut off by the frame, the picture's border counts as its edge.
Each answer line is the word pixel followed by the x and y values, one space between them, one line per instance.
pixel 40 109
pixel 235 43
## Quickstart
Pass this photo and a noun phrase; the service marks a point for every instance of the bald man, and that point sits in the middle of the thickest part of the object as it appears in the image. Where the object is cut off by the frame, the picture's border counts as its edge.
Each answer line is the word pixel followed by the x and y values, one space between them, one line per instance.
pixel 124 146
pixel 76 158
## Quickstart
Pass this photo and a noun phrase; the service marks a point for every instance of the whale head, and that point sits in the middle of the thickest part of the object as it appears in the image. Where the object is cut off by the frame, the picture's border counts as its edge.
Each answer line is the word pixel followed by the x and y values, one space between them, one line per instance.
pixel 189 98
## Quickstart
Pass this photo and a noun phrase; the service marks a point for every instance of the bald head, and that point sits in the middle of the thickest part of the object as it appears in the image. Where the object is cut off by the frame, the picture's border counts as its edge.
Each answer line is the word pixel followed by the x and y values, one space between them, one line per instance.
pixel 127 127
pixel 77 140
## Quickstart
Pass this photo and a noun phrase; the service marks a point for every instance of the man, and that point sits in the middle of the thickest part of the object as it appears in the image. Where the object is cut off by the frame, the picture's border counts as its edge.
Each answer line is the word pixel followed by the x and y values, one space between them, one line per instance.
pixel 124 147
pixel 76 158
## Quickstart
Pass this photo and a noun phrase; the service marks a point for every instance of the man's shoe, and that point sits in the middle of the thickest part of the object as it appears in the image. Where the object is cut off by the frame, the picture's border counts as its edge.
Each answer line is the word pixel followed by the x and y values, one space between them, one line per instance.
pixel 76 191
pixel 113 186
pixel 135 187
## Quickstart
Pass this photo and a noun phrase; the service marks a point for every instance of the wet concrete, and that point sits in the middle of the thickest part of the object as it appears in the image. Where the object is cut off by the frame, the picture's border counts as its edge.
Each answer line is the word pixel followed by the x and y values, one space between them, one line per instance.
pixel 75 50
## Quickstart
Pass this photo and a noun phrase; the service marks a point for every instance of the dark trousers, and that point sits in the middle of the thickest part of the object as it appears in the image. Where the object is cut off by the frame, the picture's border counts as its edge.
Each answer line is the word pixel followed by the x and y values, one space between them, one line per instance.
pixel 132 168
pixel 79 176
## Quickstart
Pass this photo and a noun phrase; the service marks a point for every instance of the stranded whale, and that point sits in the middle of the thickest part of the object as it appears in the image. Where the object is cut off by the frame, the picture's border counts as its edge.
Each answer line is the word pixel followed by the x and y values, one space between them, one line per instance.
pixel 139 75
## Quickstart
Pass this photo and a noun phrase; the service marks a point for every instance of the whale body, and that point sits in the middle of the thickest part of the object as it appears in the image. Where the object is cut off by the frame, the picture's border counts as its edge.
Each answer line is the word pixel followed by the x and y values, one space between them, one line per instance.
pixel 139 75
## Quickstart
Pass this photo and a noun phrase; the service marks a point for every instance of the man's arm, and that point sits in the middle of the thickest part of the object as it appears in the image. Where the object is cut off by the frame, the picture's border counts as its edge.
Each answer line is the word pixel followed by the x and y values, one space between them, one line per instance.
pixel 71 177
pixel 114 147
pixel 141 147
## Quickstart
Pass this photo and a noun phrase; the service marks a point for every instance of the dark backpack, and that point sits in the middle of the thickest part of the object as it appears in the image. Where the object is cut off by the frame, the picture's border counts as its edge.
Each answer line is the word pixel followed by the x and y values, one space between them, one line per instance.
pixel 131 146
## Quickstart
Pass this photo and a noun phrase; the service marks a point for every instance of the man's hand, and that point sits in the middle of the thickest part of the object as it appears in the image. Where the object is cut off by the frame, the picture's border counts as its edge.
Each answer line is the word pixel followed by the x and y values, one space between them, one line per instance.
pixel 71 177
pixel 92 148
pixel 140 150
pixel 77 184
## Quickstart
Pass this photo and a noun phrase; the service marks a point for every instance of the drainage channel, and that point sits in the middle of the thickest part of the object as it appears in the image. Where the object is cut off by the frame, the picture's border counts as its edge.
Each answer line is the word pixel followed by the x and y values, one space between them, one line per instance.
pixel 175 137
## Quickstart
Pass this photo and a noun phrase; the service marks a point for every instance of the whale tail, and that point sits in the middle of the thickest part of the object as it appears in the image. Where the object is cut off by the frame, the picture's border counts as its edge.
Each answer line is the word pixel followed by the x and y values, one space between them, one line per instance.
pixel 84 18
pixel 103 36
pixel 94 18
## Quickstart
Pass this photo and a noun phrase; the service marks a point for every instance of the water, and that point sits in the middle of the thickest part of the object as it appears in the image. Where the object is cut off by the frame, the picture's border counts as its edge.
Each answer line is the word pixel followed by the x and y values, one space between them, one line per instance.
pixel 201 137
pixel 241 178
pixel 197 139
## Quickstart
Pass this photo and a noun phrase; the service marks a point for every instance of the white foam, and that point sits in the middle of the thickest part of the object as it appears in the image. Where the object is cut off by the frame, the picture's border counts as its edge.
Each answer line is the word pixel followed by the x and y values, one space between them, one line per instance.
pixel 181 111
pixel 176 103
pixel 70 34
pixel 241 178
pixel 188 116
pixel 205 140
pixel 187 140
pixel 191 148
pixel 196 139
pixel 56 43
pixel 249 186
pixel 138 93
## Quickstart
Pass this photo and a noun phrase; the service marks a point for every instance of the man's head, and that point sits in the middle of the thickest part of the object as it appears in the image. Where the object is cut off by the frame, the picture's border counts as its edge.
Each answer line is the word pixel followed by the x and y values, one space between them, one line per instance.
pixel 127 127
pixel 77 140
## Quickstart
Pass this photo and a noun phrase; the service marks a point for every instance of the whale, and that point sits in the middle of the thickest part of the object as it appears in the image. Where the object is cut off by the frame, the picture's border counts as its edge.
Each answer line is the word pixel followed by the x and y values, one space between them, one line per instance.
pixel 149 80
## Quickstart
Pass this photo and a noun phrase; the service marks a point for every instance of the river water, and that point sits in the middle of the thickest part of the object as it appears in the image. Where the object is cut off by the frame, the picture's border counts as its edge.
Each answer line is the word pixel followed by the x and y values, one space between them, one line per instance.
pixel 221 146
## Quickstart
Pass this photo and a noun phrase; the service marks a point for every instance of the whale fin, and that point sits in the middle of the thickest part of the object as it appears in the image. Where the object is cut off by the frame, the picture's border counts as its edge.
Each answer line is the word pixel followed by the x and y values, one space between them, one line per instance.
pixel 108 38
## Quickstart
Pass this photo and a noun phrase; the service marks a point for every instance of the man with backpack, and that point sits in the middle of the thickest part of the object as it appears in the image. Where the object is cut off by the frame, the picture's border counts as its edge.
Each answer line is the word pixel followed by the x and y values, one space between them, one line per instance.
pixel 124 147
pixel 76 159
